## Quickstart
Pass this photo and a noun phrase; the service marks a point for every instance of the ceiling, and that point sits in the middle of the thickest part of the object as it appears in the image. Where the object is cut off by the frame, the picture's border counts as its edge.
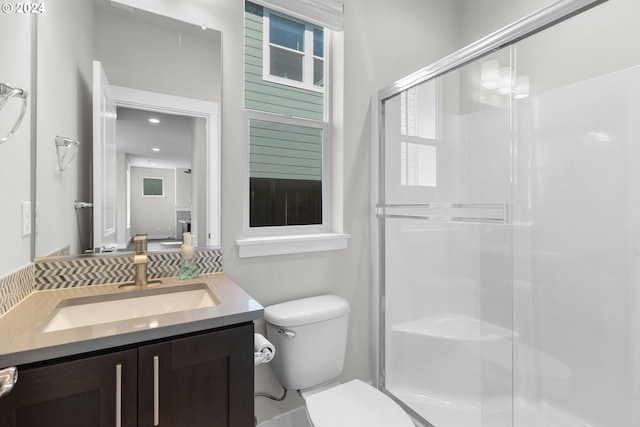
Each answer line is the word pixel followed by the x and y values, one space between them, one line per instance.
pixel 137 137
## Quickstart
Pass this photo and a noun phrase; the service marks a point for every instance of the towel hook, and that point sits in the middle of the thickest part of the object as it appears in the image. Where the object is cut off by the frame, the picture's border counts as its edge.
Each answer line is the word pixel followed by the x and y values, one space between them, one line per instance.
pixel 6 93
pixel 65 157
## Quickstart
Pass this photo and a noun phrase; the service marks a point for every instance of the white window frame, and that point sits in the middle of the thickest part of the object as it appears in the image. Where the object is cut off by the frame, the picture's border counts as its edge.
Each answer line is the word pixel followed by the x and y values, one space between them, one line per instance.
pixel 287 239
pixel 156 178
pixel 326 177
pixel 210 112
pixel 308 56
pixel 281 240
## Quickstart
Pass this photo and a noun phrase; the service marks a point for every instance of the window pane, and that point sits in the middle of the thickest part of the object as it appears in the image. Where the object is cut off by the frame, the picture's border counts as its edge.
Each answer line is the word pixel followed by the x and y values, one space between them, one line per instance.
pixel 279 202
pixel 318 42
pixel 286 33
pixel 152 187
pixel 418 109
pixel 286 64
pixel 285 174
pixel 318 72
pixel 418 164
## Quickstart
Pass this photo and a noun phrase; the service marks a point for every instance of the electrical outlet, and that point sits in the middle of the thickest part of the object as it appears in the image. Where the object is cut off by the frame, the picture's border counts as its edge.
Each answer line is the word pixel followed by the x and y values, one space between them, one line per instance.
pixel 26 219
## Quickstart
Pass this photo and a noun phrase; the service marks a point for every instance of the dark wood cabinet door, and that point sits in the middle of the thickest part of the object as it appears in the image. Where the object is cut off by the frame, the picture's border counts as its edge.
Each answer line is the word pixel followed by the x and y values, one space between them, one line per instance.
pixel 201 380
pixel 78 393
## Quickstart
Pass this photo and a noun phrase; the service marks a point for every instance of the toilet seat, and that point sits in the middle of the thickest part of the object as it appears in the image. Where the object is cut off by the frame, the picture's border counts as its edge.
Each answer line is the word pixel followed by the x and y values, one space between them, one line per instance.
pixel 355 404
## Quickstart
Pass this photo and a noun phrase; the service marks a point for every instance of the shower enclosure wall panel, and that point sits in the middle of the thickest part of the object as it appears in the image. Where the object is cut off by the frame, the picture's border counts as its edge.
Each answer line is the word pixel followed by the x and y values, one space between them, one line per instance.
pixel 577 303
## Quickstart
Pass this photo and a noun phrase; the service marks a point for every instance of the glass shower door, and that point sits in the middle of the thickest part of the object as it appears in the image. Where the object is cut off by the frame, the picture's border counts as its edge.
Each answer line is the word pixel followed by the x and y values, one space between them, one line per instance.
pixel 447 248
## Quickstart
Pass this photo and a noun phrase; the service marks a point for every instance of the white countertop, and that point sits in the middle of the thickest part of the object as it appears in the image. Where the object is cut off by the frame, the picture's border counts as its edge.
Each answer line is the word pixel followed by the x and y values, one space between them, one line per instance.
pixel 21 342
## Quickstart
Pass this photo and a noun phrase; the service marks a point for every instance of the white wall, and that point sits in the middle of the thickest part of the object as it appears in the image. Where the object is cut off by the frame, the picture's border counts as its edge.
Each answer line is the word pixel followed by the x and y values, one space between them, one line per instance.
pixel 477 19
pixel 165 59
pixel 153 215
pixel 183 187
pixel 15 154
pixel 65 49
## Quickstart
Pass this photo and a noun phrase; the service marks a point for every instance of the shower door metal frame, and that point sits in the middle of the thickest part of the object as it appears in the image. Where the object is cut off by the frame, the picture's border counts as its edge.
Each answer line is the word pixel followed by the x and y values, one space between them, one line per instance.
pixel 518 30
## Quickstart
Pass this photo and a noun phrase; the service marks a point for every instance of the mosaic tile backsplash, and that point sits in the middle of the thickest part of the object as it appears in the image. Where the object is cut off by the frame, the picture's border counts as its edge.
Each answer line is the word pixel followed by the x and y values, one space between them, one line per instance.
pixel 86 271
pixel 74 272
pixel 15 287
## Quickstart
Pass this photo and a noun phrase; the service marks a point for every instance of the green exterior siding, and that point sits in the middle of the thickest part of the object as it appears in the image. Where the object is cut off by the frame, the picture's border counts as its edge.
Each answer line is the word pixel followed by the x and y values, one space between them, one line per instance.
pixel 283 151
pixel 267 96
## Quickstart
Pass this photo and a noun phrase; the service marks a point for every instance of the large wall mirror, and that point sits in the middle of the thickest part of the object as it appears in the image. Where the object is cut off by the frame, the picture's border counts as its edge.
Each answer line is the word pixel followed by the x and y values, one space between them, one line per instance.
pixel 141 95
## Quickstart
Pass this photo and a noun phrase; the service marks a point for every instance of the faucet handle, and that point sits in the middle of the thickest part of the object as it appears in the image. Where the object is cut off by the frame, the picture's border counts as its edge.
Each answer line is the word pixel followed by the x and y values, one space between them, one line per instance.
pixel 140 241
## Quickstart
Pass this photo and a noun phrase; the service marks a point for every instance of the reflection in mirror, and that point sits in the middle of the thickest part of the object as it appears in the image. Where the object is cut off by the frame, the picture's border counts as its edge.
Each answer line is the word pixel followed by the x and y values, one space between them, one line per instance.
pixel 138 51
pixel 154 177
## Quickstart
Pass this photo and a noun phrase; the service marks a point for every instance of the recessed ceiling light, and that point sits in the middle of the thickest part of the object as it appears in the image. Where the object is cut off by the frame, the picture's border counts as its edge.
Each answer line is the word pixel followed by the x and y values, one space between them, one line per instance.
pixel 154 120
pixel 155 149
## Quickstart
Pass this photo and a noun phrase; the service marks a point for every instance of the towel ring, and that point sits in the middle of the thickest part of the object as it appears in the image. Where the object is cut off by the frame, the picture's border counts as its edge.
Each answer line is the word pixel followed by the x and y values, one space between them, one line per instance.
pixel 6 93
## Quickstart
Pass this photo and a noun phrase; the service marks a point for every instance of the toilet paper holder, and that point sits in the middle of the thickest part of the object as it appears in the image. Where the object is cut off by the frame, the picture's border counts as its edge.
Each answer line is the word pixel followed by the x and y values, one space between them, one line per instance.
pixel 260 357
pixel 263 350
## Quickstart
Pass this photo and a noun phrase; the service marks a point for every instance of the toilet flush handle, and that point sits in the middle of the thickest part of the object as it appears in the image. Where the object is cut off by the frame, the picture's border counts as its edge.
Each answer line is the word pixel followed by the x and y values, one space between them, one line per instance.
pixel 287 332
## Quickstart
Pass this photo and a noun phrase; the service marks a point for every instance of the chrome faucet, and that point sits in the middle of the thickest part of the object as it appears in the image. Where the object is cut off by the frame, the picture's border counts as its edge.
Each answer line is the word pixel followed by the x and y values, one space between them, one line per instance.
pixel 140 259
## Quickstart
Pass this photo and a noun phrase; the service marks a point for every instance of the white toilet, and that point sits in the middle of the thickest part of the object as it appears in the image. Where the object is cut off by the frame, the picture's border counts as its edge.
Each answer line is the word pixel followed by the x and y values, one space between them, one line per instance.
pixel 310 336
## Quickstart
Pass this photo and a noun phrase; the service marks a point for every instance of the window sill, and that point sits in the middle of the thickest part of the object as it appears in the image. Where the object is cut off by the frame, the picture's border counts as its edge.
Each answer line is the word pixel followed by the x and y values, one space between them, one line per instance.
pixel 291 244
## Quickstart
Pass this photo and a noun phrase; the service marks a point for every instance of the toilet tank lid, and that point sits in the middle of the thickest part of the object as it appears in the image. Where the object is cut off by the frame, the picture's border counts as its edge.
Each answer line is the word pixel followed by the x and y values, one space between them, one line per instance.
pixel 307 310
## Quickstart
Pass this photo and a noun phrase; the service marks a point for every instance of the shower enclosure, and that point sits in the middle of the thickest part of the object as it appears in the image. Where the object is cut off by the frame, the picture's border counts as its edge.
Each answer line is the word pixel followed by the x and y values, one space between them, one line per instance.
pixel 508 222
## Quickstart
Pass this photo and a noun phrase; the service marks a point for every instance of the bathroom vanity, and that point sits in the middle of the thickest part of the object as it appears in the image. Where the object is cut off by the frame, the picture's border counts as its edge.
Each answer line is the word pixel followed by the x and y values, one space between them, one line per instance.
pixel 192 367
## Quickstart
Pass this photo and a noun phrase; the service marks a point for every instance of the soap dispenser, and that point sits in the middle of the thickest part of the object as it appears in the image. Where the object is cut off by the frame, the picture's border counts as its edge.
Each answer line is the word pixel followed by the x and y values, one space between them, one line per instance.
pixel 188 266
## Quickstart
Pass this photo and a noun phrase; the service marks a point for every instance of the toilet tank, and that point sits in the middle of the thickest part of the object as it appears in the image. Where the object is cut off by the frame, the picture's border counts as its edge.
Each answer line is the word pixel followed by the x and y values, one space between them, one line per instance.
pixel 310 336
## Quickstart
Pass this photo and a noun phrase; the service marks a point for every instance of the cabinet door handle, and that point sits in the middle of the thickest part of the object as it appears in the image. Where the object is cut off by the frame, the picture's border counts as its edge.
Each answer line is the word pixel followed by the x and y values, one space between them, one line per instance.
pixel 8 377
pixel 118 394
pixel 156 390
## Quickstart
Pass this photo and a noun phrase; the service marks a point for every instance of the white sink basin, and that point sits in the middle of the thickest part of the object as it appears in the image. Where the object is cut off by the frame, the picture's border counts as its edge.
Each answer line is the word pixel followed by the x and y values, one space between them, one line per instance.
pixel 94 310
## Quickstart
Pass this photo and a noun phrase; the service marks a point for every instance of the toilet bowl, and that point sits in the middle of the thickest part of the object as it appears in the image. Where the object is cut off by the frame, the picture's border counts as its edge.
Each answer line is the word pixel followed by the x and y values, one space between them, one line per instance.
pixel 311 336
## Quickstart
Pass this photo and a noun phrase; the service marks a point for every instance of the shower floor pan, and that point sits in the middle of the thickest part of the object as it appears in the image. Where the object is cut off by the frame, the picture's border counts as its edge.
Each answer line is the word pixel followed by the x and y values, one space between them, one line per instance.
pixel 472 414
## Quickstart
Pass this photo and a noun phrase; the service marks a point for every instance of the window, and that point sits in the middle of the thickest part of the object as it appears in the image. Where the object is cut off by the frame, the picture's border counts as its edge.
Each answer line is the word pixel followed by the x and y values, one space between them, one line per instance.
pixel 153 187
pixel 418 163
pixel 286 169
pixel 286 126
pixel 287 192
pixel 418 130
pixel 293 52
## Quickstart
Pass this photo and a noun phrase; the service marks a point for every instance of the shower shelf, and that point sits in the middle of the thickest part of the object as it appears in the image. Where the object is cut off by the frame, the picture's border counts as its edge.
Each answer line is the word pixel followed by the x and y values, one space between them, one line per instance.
pixel 456 327
pixel 534 363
